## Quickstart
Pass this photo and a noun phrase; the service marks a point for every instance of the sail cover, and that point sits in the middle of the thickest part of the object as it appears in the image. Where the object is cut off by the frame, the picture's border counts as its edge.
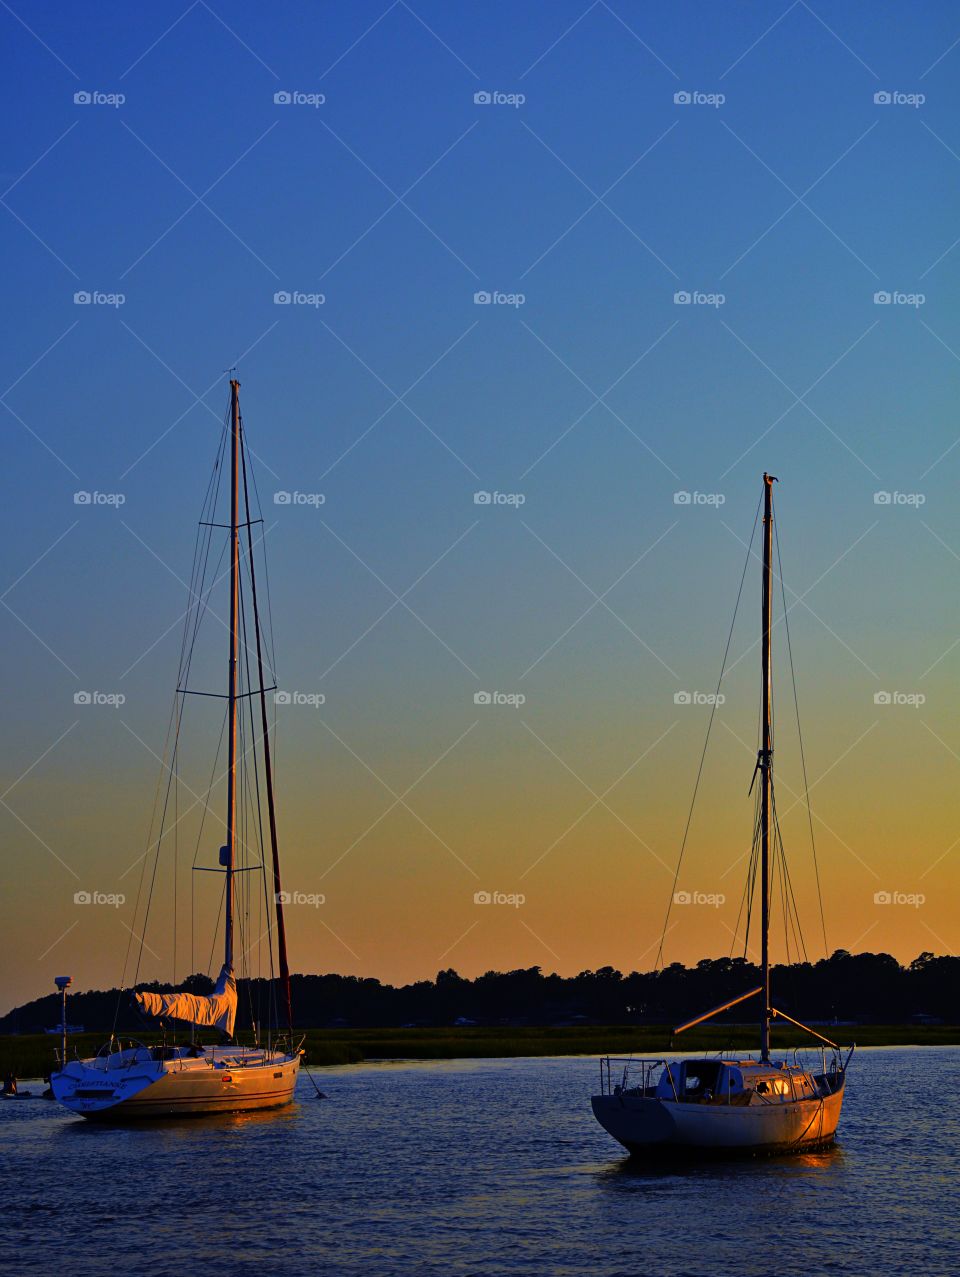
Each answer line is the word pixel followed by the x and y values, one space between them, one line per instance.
pixel 217 1010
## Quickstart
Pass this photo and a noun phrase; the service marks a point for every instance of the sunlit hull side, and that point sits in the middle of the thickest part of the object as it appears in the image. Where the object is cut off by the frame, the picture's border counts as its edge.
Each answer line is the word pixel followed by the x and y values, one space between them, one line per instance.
pixel 644 1123
pixel 141 1087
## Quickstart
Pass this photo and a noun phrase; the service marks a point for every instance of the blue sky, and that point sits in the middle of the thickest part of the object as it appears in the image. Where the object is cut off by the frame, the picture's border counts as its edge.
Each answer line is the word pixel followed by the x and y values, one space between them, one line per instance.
pixel 784 189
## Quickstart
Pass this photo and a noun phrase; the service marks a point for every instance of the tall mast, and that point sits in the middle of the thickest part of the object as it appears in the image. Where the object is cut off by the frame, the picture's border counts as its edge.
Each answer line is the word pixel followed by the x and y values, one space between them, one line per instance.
pixel 765 763
pixel 229 849
pixel 267 763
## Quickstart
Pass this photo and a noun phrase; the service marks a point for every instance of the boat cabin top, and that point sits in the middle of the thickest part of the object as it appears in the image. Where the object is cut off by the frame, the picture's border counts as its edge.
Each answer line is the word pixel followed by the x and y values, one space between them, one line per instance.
pixel 714 1079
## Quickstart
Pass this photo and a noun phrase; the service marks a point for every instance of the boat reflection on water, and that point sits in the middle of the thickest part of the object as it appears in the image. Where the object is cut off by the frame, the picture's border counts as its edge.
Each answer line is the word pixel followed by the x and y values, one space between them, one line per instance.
pixel 184 1128
pixel 621 1174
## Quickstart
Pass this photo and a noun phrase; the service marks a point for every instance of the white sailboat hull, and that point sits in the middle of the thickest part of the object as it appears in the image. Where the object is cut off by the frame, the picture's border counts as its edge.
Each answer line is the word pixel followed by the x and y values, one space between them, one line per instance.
pixel 646 1123
pixel 132 1085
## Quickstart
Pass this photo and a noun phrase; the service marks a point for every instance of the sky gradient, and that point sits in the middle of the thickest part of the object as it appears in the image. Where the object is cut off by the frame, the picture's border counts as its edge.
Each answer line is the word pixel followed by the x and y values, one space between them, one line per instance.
pixel 799 199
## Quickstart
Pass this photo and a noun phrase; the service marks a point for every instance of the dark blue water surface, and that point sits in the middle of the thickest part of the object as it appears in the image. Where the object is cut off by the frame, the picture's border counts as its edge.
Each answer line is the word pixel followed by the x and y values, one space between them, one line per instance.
pixel 481 1167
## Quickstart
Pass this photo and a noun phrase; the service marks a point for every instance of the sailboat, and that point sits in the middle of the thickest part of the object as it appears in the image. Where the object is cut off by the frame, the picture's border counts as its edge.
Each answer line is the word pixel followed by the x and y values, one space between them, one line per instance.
pixel 132 1080
pixel 715 1103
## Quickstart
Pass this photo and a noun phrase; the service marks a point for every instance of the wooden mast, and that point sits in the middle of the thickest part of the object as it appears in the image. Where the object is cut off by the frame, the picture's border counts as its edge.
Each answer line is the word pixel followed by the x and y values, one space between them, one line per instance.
pixel 228 853
pixel 765 763
pixel 267 762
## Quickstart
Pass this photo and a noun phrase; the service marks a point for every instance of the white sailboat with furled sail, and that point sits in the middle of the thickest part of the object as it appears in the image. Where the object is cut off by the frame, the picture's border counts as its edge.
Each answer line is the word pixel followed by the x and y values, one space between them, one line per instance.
pixel 723 1103
pixel 128 1079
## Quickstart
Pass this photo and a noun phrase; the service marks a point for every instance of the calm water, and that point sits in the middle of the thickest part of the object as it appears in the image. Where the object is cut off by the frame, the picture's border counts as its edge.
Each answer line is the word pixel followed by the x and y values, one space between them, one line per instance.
pixel 484 1167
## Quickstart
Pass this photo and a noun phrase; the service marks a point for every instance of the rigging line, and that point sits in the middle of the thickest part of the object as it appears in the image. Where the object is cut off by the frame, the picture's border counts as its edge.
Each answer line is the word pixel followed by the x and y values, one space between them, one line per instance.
pixel 208 506
pixel 176 866
pixel 259 813
pixel 204 807
pixel 276 913
pixel 803 761
pixel 751 884
pixel 143 863
pixel 186 657
pixel 247 797
pixel 778 856
pixel 745 902
pixel 171 777
pixel 792 899
pixel 150 831
pixel 266 565
pixel 213 944
pixel 703 755
pixel 258 827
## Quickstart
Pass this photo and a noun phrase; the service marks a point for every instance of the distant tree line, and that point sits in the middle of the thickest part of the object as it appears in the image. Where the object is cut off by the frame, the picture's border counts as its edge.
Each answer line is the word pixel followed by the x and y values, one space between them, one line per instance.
pixel 863 987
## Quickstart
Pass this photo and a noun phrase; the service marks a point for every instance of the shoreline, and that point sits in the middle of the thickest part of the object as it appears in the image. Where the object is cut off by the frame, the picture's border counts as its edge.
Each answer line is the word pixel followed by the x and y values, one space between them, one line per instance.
pixel 33 1055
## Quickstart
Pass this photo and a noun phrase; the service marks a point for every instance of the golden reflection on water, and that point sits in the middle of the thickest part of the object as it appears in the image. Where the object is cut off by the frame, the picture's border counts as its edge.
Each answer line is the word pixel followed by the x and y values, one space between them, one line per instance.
pixel 718 1165
pixel 181 1128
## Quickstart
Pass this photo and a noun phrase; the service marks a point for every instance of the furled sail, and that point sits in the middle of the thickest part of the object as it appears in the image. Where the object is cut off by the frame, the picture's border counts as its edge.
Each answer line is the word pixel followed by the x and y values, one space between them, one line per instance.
pixel 217 1010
